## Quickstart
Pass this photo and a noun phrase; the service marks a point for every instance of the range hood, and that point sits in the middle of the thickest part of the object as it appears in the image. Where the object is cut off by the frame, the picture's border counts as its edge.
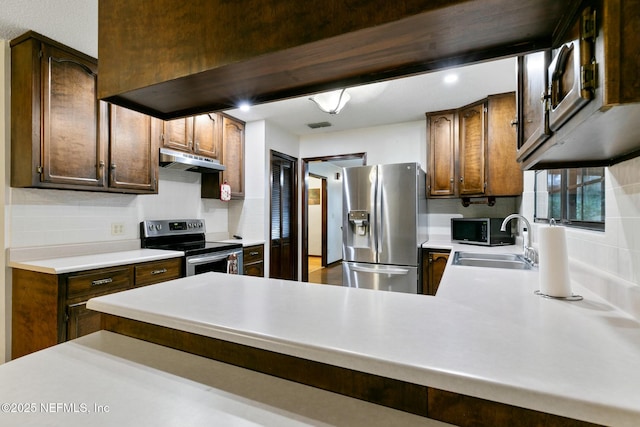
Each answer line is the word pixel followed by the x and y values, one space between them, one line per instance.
pixel 172 159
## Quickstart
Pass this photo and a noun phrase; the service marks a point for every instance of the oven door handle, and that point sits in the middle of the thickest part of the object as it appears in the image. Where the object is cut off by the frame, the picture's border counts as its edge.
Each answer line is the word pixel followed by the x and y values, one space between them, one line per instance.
pixel 213 258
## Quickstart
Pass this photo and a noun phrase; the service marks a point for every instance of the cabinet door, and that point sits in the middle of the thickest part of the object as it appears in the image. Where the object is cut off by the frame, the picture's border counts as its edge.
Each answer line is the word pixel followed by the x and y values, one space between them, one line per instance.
pixel 433 266
pixel 437 264
pixel 206 135
pixel 504 176
pixel 233 155
pixel 471 180
pixel 133 151
pixel 81 321
pixel 178 134
pixel 442 140
pixel 533 117
pixel 73 148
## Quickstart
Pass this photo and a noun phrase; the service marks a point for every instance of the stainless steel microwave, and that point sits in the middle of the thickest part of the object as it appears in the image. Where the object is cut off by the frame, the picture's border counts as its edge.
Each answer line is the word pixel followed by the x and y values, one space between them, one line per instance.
pixel 481 231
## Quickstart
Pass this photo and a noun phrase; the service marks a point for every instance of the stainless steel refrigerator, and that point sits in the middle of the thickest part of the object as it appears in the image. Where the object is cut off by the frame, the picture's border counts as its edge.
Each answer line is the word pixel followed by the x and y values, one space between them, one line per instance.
pixel 384 225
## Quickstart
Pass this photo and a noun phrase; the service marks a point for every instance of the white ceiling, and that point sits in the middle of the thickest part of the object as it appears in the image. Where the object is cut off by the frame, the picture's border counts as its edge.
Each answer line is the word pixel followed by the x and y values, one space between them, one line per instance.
pixel 75 24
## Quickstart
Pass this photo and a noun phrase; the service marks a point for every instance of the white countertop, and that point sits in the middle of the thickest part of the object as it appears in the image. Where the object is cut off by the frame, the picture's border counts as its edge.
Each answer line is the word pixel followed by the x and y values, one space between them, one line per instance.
pixel 486 334
pixel 72 264
pixel 105 379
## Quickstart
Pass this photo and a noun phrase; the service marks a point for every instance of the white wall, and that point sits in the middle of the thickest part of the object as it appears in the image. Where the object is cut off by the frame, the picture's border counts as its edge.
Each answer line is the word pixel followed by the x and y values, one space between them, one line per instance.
pixel 607 262
pixel 5 277
pixel 246 217
pixel 39 217
pixel 398 143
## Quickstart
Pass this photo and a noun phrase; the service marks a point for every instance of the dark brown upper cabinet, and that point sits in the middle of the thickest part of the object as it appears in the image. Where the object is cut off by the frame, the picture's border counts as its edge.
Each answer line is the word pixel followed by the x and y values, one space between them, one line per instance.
pixel 532 93
pixel 62 136
pixel 133 150
pixel 231 155
pixel 592 96
pixel 472 150
pixel 442 131
pixel 58 137
pixel 200 135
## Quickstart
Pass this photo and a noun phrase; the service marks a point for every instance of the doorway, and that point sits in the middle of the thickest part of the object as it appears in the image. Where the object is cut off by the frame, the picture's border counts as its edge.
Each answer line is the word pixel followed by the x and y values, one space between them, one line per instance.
pixel 283 241
pixel 329 169
pixel 317 214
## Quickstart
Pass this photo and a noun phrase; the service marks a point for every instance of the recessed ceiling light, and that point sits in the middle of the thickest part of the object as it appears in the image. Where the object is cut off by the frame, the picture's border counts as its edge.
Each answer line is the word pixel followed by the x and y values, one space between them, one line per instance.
pixel 450 78
pixel 244 106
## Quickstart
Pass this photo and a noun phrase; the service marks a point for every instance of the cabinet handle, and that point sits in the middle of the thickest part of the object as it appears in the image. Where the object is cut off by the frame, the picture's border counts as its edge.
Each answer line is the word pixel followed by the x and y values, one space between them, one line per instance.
pixel 253 253
pixel 162 270
pixel 451 180
pixel 113 166
pixel 101 281
pixel 462 179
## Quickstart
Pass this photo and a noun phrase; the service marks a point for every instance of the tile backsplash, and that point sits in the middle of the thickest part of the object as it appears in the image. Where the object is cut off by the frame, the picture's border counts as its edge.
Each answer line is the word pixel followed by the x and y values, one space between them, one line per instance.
pixel 607 262
pixel 55 217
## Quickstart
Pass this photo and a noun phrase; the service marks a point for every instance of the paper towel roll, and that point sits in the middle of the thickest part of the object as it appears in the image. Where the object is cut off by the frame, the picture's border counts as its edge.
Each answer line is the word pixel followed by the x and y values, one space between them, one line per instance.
pixel 554 262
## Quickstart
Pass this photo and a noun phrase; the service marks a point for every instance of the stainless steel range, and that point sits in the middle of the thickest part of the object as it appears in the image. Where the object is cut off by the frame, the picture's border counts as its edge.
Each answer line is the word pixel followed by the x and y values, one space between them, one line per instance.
pixel 188 236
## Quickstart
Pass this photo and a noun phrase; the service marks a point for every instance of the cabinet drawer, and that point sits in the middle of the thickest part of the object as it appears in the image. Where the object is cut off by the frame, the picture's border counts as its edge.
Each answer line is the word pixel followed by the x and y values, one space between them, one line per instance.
pixel 252 254
pixel 158 271
pixel 97 282
pixel 254 269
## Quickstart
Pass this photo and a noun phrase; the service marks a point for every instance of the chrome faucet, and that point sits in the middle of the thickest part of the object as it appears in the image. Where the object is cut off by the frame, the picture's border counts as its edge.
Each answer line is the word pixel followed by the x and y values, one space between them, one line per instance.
pixel 529 252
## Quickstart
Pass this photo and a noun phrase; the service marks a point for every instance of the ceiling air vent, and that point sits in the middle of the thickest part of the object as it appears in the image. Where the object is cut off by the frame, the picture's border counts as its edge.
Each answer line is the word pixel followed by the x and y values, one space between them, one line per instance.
pixel 319 125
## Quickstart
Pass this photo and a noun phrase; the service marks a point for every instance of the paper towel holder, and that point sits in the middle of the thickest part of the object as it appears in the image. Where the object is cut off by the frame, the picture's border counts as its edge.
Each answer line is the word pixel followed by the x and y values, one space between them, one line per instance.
pixel 573 297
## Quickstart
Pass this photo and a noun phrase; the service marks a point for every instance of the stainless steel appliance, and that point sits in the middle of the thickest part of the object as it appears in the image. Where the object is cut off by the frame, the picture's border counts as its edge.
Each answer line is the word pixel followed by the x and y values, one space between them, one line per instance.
pixel 481 231
pixel 384 224
pixel 188 236
pixel 173 159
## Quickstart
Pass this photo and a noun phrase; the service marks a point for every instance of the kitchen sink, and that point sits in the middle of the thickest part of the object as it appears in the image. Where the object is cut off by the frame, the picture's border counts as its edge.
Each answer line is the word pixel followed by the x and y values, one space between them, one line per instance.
pixel 476 259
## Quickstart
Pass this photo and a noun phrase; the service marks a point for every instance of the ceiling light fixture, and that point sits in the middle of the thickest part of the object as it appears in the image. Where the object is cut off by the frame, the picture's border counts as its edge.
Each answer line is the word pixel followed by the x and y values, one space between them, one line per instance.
pixel 331 102
pixel 244 106
pixel 451 78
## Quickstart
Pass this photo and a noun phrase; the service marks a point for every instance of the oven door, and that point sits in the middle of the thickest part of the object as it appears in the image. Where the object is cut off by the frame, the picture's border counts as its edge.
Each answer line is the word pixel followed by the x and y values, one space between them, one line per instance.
pixel 219 262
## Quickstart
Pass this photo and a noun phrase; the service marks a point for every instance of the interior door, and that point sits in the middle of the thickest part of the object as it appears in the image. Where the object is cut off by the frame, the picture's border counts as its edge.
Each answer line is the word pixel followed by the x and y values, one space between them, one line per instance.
pixel 283 256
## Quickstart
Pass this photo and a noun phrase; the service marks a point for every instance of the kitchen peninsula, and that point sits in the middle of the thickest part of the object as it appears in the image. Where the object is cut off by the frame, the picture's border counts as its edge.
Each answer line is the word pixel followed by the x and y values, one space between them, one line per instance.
pixel 486 341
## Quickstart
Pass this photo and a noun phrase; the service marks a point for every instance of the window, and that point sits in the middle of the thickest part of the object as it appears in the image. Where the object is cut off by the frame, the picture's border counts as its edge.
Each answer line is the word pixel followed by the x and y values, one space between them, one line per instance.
pixel 573 197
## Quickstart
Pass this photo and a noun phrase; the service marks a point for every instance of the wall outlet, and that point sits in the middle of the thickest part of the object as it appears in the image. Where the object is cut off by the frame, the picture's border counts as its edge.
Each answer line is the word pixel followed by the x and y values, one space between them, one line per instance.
pixel 117 228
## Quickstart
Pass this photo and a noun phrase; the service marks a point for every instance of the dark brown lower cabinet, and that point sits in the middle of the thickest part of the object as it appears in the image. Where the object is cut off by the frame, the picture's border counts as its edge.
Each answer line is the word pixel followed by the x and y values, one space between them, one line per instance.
pixel 52 308
pixel 434 262
pixel 452 408
pixel 253 260
pixel 81 321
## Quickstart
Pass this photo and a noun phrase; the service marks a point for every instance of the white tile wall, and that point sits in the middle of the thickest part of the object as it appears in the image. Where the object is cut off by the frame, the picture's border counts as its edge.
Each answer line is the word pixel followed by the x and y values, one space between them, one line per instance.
pixel 57 217
pixel 607 262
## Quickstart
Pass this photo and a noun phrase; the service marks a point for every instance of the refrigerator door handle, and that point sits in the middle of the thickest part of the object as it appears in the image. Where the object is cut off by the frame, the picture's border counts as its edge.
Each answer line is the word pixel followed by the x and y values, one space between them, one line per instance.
pixel 379 211
pixel 378 270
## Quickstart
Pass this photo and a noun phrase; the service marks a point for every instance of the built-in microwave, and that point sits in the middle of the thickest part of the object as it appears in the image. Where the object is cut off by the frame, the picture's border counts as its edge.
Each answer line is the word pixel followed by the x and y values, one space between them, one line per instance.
pixel 481 231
